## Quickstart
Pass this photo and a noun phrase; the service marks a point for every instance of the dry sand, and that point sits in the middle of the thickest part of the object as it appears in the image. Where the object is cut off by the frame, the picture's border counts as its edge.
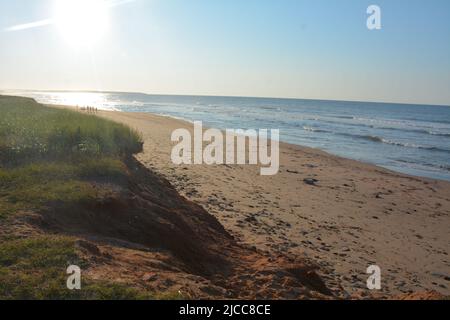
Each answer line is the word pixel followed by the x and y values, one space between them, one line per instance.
pixel 355 216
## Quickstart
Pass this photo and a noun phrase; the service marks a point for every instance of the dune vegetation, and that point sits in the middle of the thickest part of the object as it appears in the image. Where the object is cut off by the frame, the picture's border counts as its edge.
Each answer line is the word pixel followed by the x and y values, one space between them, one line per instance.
pixel 49 156
pixel 30 131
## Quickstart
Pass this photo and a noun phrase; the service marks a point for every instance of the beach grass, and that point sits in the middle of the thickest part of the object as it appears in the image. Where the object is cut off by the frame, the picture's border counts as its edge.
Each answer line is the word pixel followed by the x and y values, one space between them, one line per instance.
pixel 34 268
pixel 33 186
pixel 50 155
pixel 30 131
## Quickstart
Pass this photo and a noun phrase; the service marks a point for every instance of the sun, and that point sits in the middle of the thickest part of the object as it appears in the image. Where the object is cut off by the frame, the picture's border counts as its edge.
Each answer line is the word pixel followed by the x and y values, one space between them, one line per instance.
pixel 81 22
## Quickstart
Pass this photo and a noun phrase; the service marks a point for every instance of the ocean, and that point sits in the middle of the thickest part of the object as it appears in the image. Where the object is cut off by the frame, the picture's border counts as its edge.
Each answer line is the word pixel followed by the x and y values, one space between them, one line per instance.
pixel 412 139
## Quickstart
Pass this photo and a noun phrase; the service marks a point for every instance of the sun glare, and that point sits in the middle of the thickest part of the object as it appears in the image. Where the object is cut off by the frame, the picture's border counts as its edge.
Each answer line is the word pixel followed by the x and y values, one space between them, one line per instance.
pixel 81 22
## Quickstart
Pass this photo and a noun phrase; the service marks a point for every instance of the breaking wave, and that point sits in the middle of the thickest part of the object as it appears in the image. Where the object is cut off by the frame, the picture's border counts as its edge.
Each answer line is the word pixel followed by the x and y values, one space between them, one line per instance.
pixel 394 143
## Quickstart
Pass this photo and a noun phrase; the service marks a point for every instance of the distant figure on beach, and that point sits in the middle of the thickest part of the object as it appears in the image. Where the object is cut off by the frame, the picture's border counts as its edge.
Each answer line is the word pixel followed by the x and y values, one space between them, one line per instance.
pixel 89 109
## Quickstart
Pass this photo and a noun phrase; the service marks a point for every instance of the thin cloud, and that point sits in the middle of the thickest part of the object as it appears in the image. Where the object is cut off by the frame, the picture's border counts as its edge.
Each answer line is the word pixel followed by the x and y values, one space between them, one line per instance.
pixel 46 22
pixel 30 25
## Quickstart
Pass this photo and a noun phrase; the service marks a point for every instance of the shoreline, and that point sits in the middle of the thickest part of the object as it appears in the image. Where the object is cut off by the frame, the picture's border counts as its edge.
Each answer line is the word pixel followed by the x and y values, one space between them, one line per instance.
pixel 357 215
pixel 186 122
pixel 281 141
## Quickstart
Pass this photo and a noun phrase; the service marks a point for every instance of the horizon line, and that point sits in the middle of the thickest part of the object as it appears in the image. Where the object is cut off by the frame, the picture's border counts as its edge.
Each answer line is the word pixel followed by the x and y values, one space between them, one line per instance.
pixel 229 96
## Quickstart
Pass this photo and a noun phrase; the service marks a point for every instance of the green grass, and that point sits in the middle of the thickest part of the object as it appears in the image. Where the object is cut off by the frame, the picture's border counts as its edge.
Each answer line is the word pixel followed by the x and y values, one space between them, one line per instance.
pixel 35 269
pixel 34 186
pixel 48 156
pixel 30 131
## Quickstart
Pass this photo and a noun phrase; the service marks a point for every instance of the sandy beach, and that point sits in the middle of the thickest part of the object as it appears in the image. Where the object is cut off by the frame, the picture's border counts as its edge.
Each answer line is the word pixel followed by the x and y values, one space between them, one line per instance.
pixel 356 215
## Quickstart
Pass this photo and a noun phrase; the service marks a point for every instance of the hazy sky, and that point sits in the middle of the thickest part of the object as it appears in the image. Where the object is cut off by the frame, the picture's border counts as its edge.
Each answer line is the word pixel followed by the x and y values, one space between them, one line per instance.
pixel 273 48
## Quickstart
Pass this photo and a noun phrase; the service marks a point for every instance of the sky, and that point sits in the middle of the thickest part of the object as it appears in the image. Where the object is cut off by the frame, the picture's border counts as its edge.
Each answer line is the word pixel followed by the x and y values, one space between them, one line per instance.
pixel 313 49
